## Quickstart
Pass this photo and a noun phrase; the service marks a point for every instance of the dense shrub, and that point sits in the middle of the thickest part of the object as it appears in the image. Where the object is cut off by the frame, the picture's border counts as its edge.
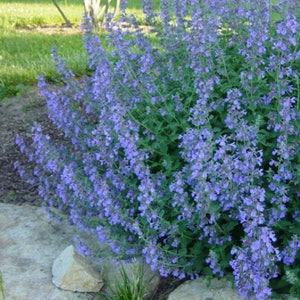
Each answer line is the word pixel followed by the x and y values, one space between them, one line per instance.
pixel 183 141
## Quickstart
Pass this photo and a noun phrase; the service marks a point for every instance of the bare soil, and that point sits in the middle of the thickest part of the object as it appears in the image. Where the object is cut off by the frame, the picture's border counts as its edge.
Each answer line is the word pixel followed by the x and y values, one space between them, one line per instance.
pixel 17 115
pixel 52 29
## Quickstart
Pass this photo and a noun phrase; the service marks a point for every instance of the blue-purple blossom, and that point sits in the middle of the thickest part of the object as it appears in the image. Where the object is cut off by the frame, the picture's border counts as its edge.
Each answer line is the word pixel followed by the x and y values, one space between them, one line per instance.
pixel 213 261
pixel 183 151
pixel 290 251
pixel 255 263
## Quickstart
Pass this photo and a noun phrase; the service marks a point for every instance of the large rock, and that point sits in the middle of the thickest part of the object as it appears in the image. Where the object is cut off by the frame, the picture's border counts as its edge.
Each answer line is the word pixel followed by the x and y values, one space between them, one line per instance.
pixel 74 272
pixel 200 290
pixel 134 271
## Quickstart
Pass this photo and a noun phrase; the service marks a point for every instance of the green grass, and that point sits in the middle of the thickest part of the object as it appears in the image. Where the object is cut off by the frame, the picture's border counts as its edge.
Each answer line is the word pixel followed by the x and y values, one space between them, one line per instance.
pixel 25 52
pixel 21 13
pixel 127 285
pixel 25 55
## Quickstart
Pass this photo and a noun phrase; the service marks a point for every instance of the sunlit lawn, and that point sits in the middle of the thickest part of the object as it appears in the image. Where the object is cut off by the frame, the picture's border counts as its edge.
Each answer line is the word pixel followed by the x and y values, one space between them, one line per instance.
pixel 25 52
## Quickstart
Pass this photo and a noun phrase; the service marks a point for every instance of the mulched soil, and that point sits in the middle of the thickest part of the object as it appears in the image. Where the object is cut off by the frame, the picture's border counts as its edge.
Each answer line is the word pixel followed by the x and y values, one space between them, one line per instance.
pixel 17 114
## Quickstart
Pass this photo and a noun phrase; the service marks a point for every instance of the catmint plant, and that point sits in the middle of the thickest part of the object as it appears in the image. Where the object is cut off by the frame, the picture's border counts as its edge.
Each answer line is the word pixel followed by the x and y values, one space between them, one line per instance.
pixel 181 143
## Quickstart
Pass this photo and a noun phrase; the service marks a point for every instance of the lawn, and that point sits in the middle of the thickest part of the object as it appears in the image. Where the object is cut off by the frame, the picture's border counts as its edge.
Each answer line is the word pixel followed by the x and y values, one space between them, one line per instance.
pixel 28 30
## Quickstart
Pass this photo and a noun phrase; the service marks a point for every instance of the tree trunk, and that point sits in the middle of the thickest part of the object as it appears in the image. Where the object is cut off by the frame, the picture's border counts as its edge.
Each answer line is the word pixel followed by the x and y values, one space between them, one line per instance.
pixel 94 10
pixel 91 8
pixel 68 23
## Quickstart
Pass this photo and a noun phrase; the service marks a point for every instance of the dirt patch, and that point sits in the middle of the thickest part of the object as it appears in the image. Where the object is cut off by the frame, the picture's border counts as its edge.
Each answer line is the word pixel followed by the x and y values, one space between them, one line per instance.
pixel 76 28
pixel 17 114
pixel 52 29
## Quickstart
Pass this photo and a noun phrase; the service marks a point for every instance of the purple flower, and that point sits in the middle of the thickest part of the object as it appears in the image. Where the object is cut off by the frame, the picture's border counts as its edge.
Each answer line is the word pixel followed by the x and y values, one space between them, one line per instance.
pixel 254 264
pixel 290 251
pixel 213 262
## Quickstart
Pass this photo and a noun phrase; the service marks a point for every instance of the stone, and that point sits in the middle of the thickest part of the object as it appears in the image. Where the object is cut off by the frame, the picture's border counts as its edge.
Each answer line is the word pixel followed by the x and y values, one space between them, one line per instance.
pixel 112 273
pixel 74 272
pixel 200 289
pixel 29 242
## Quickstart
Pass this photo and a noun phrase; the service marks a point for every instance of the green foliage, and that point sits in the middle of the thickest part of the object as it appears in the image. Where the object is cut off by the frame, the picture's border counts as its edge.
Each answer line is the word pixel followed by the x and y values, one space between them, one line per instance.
pixel 292 276
pixel 127 286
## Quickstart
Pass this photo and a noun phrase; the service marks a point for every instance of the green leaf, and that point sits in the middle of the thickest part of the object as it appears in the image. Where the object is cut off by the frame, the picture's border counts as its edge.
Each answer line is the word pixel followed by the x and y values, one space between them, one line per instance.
pixel 295 230
pixel 227 227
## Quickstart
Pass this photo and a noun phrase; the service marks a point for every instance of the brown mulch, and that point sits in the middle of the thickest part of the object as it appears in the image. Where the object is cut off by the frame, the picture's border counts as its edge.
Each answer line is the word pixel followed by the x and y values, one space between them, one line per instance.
pixel 17 115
